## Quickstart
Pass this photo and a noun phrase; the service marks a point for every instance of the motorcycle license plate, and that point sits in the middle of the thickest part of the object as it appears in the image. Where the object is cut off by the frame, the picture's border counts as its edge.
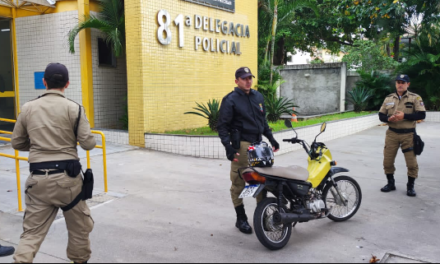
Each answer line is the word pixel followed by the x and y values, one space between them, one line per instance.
pixel 249 191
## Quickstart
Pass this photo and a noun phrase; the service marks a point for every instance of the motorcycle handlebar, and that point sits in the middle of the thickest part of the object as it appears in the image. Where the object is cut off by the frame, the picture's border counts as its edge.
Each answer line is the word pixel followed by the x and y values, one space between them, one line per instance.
pixel 293 140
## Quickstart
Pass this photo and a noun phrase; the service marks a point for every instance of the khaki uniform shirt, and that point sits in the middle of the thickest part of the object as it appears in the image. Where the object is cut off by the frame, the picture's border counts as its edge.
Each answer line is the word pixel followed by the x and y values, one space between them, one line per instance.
pixel 45 128
pixel 409 103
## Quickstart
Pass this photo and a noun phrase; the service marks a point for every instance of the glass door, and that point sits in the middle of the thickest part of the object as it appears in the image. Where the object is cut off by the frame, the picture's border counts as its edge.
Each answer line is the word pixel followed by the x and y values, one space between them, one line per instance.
pixel 7 94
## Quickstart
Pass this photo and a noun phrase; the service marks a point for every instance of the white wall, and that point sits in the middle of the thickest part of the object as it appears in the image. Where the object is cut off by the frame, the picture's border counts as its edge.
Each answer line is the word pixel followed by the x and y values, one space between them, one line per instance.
pixel 43 39
pixel 40 41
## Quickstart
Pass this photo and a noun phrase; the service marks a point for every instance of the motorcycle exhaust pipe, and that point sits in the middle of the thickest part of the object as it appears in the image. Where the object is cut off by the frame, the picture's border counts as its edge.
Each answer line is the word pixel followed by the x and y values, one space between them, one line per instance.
pixel 282 218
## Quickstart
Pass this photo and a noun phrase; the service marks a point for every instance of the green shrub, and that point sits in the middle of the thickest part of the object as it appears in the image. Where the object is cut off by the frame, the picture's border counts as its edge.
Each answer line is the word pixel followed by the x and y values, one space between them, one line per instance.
pixel 379 84
pixel 317 61
pixel 264 86
pixel 210 112
pixel 276 107
pixel 359 97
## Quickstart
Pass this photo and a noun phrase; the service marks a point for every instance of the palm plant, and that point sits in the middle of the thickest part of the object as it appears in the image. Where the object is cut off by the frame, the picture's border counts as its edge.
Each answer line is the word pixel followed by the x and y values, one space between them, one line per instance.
pixel 380 85
pixel 276 107
pixel 110 21
pixel 210 112
pixel 359 97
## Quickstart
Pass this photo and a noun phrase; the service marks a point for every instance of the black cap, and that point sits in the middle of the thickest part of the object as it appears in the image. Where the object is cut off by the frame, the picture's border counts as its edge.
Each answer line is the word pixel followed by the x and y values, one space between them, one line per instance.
pixel 243 73
pixel 403 78
pixel 56 72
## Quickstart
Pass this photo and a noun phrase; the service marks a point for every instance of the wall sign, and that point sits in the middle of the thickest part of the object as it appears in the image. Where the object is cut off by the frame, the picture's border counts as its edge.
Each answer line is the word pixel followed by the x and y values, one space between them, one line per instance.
pixel 227 5
pixel 38 79
pixel 202 23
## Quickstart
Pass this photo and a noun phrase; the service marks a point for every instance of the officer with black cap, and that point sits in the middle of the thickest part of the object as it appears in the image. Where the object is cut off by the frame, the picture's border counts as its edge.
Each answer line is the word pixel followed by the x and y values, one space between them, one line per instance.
pixel 242 122
pixel 6 251
pixel 401 110
pixel 49 128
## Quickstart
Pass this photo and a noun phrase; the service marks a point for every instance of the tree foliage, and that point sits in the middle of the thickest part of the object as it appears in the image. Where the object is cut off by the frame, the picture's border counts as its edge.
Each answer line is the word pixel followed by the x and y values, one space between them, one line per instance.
pixel 423 65
pixel 367 56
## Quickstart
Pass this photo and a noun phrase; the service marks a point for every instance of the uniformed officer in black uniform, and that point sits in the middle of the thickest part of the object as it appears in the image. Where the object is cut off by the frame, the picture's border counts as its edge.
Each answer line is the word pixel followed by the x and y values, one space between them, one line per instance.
pixel 242 122
pixel 6 251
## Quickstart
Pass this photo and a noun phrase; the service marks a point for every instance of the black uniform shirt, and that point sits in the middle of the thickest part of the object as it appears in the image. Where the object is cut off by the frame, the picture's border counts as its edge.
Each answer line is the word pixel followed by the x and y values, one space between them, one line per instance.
pixel 246 113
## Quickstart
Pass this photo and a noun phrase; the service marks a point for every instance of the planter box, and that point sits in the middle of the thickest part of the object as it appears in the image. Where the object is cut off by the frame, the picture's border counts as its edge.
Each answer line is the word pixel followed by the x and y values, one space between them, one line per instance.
pixel 211 147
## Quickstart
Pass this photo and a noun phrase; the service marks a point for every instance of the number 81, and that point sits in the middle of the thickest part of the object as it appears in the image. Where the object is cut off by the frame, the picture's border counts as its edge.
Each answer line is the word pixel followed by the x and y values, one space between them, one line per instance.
pixel 165 30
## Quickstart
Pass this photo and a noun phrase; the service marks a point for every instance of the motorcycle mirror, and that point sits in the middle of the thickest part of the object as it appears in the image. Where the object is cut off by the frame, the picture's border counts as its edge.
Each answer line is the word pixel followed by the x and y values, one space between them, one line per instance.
pixel 323 127
pixel 288 124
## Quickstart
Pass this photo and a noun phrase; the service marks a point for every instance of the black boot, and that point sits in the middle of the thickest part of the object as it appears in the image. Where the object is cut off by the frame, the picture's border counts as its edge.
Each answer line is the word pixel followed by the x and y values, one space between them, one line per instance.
pixel 242 220
pixel 6 251
pixel 391 186
pixel 411 192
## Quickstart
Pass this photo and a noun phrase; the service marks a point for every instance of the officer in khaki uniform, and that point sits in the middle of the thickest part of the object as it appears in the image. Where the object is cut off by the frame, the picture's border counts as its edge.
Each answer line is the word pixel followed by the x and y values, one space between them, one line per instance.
pixel 401 110
pixel 242 122
pixel 49 128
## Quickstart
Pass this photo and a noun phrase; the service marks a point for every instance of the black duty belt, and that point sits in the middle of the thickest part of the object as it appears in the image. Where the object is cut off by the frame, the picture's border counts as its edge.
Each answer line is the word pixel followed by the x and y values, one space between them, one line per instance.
pixel 403 131
pixel 72 167
pixel 39 172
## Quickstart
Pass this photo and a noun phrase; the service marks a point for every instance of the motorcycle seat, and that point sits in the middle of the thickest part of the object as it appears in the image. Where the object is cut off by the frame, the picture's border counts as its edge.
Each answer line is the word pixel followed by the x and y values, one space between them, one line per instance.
pixel 292 173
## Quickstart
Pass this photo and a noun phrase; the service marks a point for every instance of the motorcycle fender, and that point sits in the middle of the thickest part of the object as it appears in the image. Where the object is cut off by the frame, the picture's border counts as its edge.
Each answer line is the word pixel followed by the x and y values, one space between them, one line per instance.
pixel 333 171
pixel 262 186
pixel 336 170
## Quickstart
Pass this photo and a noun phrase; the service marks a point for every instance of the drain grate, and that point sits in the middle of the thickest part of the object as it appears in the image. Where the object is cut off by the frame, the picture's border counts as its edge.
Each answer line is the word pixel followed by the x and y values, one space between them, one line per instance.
pixel 393 258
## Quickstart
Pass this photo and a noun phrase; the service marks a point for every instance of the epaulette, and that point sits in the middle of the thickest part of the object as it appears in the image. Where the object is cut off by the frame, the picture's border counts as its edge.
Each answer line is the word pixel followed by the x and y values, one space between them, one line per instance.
pixel 74 102
pixel 35 99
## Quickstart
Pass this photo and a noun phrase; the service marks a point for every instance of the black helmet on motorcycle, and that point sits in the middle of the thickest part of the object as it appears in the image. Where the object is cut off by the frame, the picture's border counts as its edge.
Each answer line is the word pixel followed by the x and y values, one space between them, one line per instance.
pixel 260 155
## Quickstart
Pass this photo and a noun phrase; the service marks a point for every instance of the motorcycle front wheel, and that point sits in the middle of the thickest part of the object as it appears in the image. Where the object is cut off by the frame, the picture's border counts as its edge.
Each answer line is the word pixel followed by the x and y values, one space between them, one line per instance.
pixel 345 207
pixel 272 236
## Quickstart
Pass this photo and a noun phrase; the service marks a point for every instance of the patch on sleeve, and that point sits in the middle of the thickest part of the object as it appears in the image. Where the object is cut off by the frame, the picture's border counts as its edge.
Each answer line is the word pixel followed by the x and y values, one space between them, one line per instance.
pixel 422 104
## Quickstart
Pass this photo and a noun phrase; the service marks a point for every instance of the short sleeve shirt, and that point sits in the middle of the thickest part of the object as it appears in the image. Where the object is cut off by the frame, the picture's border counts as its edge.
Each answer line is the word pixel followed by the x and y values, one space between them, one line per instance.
pixel 409 103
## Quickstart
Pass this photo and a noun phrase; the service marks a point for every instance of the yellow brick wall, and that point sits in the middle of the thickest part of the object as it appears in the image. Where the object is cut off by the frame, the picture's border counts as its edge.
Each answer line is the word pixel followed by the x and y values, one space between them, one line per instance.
pixel 164 82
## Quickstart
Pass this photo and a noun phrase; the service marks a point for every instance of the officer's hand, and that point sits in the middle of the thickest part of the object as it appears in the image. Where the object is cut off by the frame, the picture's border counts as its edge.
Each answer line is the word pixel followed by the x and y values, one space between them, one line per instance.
pixel 399 115
pixel 392 119
pixel 230 153
pixel 275 145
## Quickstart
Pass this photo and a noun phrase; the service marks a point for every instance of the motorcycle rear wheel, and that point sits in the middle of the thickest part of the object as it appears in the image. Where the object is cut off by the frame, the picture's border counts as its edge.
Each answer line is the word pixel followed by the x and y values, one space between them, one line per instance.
pixel 272 236
pixel 352 193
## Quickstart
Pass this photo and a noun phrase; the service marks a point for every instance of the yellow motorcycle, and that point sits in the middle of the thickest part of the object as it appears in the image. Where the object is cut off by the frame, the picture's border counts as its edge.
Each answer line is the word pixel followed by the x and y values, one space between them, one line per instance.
pixel 300 195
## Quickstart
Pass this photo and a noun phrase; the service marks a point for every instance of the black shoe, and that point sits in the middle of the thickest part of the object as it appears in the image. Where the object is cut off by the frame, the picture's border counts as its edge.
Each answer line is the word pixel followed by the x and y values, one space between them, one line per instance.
pixel 410 187
pixel 6 251
pixel 411 192
pixel 244 226
pixel 389 188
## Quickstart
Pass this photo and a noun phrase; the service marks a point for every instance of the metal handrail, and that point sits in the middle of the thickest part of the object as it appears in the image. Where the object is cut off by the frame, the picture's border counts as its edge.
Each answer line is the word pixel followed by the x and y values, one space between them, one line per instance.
pixel 17 159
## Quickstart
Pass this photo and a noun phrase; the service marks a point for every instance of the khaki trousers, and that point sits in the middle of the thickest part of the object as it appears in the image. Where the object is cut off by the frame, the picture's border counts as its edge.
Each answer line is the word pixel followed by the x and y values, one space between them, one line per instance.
pixel 238 184
pixel 45 194
pixel 393 143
